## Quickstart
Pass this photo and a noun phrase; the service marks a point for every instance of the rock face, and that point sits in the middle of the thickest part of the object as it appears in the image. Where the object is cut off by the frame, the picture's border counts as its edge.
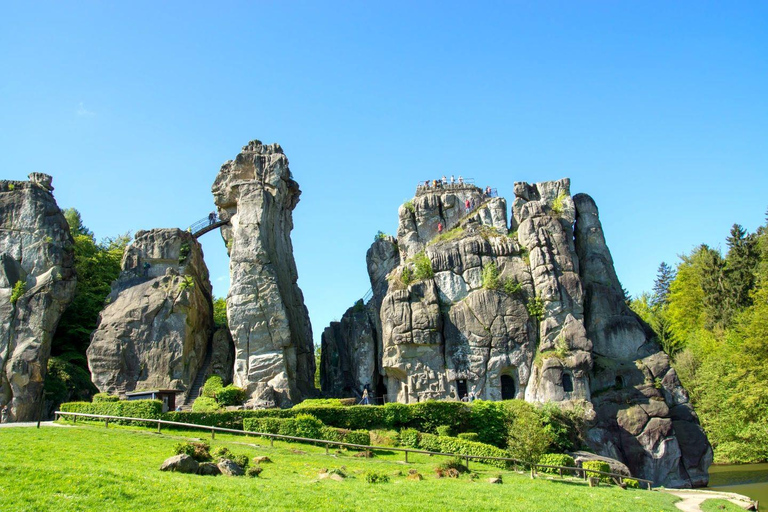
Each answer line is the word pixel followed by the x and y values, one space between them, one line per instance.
pixel 37 282
pixel 274 357
pixel 528 307
pixel 154 331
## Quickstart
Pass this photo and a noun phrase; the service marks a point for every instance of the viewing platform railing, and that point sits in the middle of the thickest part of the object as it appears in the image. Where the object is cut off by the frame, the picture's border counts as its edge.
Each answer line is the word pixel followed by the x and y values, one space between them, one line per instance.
pixel 585 473
pixel 206 225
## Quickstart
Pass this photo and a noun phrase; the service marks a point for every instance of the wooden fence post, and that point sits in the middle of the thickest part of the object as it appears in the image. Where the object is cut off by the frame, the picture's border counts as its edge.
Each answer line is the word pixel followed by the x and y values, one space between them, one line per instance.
pixel 406 456
pixel 213 434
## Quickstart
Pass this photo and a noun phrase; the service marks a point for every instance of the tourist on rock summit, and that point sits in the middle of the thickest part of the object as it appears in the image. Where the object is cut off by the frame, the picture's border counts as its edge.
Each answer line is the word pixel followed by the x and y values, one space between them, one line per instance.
pixel 439 227
pixel 445 180
pixel 452 180
pixel 466 204
pixel 211 218
pixel 461 180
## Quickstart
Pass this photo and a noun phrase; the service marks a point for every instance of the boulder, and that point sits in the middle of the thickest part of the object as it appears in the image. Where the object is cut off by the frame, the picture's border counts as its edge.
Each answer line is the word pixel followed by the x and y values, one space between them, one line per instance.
pixel 267 317
pixel 154 331
pixel 619 467
pixel 180 464
pixel 496 480
pixel 208 469
pixel 229 468
pixel 261 460
pixel 37 282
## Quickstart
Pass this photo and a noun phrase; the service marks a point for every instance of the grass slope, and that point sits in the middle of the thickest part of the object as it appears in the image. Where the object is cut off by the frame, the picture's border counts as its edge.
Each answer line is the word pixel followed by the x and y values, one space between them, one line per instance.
pixel 93 468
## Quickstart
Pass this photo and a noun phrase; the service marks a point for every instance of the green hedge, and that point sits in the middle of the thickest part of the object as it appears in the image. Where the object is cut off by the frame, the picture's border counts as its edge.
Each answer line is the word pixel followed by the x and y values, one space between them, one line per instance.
pixel 306 426
pixel 597 465
pixel 443 444
pixel 129 408
pixel 556 459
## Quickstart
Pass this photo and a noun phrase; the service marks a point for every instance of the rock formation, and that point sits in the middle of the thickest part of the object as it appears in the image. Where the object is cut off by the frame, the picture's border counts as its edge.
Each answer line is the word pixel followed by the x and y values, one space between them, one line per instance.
pixel 37 282
pixel 156 326
pixel 527 308
pixel 274 357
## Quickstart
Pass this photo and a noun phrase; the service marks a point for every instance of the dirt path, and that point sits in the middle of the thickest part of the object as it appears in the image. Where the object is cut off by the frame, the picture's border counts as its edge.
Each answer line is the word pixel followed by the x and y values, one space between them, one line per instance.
pixel 692 499
pixel 31 424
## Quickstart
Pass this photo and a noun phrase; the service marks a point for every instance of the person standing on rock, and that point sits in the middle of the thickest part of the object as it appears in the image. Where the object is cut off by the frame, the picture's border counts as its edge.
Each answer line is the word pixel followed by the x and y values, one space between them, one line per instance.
pixel 439 228
pixel 4 414
pixel 461 180
pixel 452 180
pixel 146 269
pixel 466 204
pixel 365 400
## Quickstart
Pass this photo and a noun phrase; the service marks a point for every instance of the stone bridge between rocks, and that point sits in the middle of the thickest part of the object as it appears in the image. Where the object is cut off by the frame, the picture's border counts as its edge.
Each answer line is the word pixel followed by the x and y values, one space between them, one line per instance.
pixel 206 225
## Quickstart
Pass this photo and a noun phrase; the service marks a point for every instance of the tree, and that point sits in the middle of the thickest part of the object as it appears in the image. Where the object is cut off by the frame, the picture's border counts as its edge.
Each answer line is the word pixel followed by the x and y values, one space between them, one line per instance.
pixel 219 312
pixel 664 277
pixel 740 268
pixel 527 437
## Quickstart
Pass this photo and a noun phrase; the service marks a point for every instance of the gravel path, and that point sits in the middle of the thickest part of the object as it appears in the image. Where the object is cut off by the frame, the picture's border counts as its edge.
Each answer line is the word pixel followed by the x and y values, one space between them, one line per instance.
pixel 32 424
pixel 692 499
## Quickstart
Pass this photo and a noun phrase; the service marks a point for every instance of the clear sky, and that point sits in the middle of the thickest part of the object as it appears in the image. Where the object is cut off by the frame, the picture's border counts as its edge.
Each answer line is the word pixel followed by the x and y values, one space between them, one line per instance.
pixel 659 110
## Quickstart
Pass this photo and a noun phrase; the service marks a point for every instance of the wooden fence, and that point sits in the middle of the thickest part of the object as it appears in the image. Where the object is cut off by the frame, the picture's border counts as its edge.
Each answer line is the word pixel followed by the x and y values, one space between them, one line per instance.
pixel 584 473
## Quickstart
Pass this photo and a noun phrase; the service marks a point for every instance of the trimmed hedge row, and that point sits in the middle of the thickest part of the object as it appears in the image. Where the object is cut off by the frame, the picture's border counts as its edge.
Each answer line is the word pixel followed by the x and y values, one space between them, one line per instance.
pixel 597 465
pixel 433 443
pixel 151 409
pixel 556 459
pixel 307 426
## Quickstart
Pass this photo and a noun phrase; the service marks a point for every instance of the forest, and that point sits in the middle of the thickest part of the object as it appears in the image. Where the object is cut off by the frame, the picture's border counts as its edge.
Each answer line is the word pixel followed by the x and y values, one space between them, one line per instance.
pixel 710 313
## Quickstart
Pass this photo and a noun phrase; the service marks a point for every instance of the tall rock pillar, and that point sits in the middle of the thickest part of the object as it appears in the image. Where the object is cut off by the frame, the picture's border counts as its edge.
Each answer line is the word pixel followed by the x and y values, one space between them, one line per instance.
pixel 37 282
pixel 274 356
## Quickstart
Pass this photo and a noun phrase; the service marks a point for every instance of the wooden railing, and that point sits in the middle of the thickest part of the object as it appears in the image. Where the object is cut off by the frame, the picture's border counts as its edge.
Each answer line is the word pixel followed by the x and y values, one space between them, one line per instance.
pixel 585 473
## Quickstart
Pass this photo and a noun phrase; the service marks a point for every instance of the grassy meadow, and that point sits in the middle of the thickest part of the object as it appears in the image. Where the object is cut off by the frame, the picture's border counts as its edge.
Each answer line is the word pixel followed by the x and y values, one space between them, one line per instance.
pixel 89 467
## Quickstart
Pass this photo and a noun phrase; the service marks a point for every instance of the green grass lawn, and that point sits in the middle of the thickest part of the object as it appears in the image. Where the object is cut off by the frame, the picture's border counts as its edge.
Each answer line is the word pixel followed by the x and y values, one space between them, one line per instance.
pixel 720 505
pixel 94 468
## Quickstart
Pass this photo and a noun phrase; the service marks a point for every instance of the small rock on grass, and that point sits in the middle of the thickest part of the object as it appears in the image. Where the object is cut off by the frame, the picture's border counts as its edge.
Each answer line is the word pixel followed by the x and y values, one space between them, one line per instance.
pixel 208 469
pixel 180 464
pixel 495 480
pixel 261 460
pixel 229 468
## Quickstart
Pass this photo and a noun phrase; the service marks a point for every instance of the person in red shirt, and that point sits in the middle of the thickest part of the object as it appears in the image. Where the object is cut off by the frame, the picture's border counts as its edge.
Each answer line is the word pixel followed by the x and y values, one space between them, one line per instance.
pixel 439 227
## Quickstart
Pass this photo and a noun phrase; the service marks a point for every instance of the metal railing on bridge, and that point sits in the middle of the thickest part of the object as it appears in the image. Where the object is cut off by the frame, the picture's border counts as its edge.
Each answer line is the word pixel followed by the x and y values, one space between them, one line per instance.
pixel 207 224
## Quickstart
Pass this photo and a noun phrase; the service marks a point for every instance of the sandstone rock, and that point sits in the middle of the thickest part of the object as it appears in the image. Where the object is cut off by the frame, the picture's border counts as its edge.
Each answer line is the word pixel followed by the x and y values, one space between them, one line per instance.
pixel 229 468
pixel 208 469
pixel 155 328
pixel 617 466
pixel 180 464
pixel 416 477
pixel 261 460
pixel 496 480
pixel 267 317
pixel 222 356
pixel 36 257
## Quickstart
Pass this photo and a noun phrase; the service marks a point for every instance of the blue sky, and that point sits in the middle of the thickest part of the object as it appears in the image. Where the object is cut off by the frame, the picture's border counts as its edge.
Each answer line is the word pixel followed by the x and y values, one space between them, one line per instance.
pixel 658 110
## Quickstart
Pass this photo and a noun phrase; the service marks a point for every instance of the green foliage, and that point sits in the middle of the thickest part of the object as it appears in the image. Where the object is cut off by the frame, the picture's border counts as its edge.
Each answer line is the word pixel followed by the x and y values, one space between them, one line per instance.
pixel 444 430
pixel 307 426
pixel 380 235
pixel 241 460
pixel 18 290
pixel 200 451
pixel 455 464
pixel 489 420
pixel 433 443
pixel 406 277
pixel 230 395
pixel 512 287
pixel 205 404
pixel 213 385
pixel 325 402
pixel 490 277
pixel 150 409
pixel 631 483
pixel 376 477
pixel 187 282
pixel 527 439
pixel 469 436
pixel 220 312
pixel 66 381
pixel 11 187
pixel 558 204
pixel 410 437
pixel 535 307
pixel 566 427
pixel 597 465
pixel 105 397
pixel 408 205
pixel 453 234
pixel 254 471
pixel 184 251
pixel 359 306
pixel 423 267
pixel 556 459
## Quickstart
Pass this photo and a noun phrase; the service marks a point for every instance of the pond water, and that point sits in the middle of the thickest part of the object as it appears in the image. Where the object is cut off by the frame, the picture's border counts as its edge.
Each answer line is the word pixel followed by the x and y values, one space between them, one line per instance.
pixel 747 479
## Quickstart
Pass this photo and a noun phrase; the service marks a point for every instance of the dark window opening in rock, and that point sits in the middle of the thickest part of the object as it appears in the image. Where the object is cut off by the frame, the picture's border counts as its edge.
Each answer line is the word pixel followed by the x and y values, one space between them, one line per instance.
pixel 567 383
pixel 619 382
pixel 507 387
pixel 461 388
pixel 381 391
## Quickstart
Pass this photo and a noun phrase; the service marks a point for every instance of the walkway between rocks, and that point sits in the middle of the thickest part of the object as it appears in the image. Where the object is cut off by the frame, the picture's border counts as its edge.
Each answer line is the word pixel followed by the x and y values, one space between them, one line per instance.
pixel 692 499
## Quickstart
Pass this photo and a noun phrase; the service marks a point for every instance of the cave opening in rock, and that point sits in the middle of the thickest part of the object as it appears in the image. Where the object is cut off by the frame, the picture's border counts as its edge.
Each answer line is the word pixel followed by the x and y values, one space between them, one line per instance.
pixel 461 388
pixel 567 383
pixel 619 382
pixel 507 387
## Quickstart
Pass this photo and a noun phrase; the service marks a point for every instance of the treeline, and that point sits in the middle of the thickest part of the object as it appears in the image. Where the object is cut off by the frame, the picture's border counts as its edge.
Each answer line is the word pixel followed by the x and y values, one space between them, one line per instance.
pixel 710 314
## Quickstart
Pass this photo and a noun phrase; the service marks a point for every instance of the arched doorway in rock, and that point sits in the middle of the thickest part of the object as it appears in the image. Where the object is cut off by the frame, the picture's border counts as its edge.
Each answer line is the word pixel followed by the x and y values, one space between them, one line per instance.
pixel 507 387
pixel 567 383
pixel 461 388
pixel 619 382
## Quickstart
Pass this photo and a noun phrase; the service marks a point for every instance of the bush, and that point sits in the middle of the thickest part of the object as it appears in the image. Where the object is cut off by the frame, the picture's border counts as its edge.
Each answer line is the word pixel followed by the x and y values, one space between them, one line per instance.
pixel 105 397
pixel 555 459
pixel 489 420
pixel 408 205
pixel 452 464
pixel 18 290
pixel 325 402
pixel 597 465
pixel 527 438
pixel 535 308
pixel 230 395
pixel 410 437
pixel 205 404
pixel 469 436
pixel 632 483
pixel 254 471
pixel 198 451
pixel 306 426
pixel 240 460
pixel 374 477
pixel 362 437
pixel 423 267
pixel 558 204
pixel 222 452
pixel 213 385
pixel 566 427
pixel 150 409
pixel 434 443
pixel 490 277
pixel 444 430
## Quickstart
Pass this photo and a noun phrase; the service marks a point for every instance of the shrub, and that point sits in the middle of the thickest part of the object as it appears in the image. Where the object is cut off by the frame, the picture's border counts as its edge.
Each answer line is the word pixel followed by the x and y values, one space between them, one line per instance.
pixel 632 483
pixel 150 409
pixel 511 287
pixel 323 402
pixel 455 464
pixel 306 425
pixel 434 443
pixel 555 459
pixel 362 437
pixel 406 277
pixel 205 404
pixel 535 308
pixel 105 397
pixel 566 427
pixel 489 420
pixel 469 436
pixel 374 477
pixel 444 430
pixel 230 395
pixel 213 385
pixel 187 282
pixel 408 205
pixel 527 439
pixel 423 266
pixel 11 187
pixel 198 451
pixel 490 277
pixel 427 416
pixel 597 465
pixel 263 425
pixel 18 290
pixel 254 471
pixel 222 452
pixel 410 437
pixel 240 460
pixel 183 253
pixel 558 204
